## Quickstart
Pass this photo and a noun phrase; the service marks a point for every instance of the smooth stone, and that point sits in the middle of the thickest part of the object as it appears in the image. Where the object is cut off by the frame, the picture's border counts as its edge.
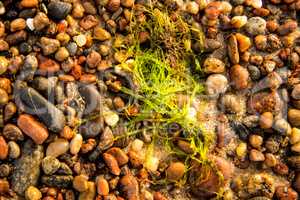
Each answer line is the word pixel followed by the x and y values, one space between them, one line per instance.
pixel 216 84
pixel 92 98
pixel 58 10
pixel 57 148
pixel 34 103
pixel 75 144
pixel 50 165
pixel 256 26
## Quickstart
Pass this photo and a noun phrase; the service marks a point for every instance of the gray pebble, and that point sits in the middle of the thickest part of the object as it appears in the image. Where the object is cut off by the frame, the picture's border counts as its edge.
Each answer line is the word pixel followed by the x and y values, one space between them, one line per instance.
pixel 254 72
pixel 4 170
pixel 58 10
pixel 72 48
pixel 59 181
pixel 64 169
pixel 14 150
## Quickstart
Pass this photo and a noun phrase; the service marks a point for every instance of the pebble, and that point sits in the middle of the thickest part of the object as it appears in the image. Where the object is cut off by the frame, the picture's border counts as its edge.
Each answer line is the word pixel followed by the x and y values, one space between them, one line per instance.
pixel 213 65
pixel 270 160
pixel 58 10
pixel 3 64
pixel 17 25
pixel 92 98
pixel 244 42
pixel 4 186
pixel 294 117
pixel 256 3
pixel 256 155
pixel 231 103
pixel 272 145
pixel 130 187
pixel 175 171
pixel 76 144
pixel 241 150
pixel 72 48
pixel 261 184
pixel 240 76
pixel 106 139
pixel 2 8
pixel 27 168
pixel 238 21
pixel 47 65
pixel 233 51
pixel 32 128
pixel 90 193
pixel 216 84
pixel 78 10
pixel 49 45
pixel 281 168
pixel 80 40
pixel 159 196
pixel 112 164
pixel 25 48
pixel 288 27
pixel 254 72
pixel 101 34
pixel 35 103
pixel 16 37
pixel 29 67
pixel 14 150
pixel 137 145
pixel 62 54
pixel 50 165
pixel 57 148
pixel 102 186
pixel 59 181
pixel 264 102
pixel 29 3
pixel 295 136
pixel 88 22
pixel 256 26
pixel 266 120
pixel 40 21
pixel 29 24
pixel 3 148
pixel 192 7
pixel 135 159
pixel 3 97
pixel 111 118
pixel 80 183
pixel 282 126
pixel 256 141
pixel 119 155
pixel 286 193
pixel 32 193
pixel 4 46
pixel 93 59
pixel 5 170
pixel 296 92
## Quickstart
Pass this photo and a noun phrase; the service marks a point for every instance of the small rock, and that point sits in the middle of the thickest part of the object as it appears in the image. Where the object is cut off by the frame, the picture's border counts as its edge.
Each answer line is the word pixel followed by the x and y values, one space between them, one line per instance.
pixel 4 46
pixel 281 168
pixel 62 54
pixel 213 65
pixel 256 141
pixel 16 37
pixel 261 184
pixel 50 165
pixel 3 148
pixel 112 164
pixel 296 147
pixel 239 75
pixel 256 155
pixel 76 144
pixel 238 21
pixel 231 103
pixel 34 129
pixel 29 3
pixel 93 59
pixel 241 150
pixel 102 186
pixel 294 162
pixel 2 8
pixel 80 40
pixel 29 24
pixel 288 27
pixel 272 144
pixel 17 25
pixel 119 155
pixel 266 120
pixel 111 118
pixel 191 7
pixel 216 84
pixel 14 150
pixel 130 186
pixel 59 181
pixel 47 65
pixel 270 160
pixel 286 193
pixel 282 126
pixel 296 92
pixel 4 186
pixel 256 26
pixel 90 193
pixel 5 170
pixel 12 132
pixel 32 193
pixel 295 136
pixel 101 34
pixel 40 21
pixel 3 64
pixel 27 168
pixel 175 171
pixel 80 183
pixel 244 42
pixel 58 10
pixel 49 45
pixel 57 148
pixel 264 102
pixel 233 51
pixel 88 22
pixel 294 117
pixel 72 48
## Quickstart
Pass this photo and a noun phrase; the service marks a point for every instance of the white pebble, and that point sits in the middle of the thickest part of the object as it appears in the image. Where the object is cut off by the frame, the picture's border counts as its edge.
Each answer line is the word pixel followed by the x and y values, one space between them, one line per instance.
pixel 137 145
pixel 256 3
pixel 76 144
pixel 111 118
pixel 80 40
pixel 151 163
pixel 29 24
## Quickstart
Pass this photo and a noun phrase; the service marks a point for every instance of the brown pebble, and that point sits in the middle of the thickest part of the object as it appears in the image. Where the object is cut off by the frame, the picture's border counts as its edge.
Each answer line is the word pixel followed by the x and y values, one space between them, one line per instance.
pixel 88 22
pixel 135 159
pixel 34 129
pixel 287 27
pixel 119 155
pixel 266 120
pixel 281 168
pixel 175 171
pixel 286 193
pixel 80 183
pixel 29 3
pixel 271 160
pixel 47 65
pixel 4 186
pixel 17 25
pixel 112 164
pixel 239 75
pixel 67 133
pixel 233 51
pixel 256 155
pixel 3 45
pixel 3 148
pixel 130 187
pixel 102 186
pixel 88 78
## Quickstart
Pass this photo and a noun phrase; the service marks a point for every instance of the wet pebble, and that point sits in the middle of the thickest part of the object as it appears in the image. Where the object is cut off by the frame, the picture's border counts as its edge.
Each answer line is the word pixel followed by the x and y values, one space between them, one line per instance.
pixel 266 120
pixel 102 186
pixel 256 155
pixel 239 75
pixel 216 84
pixel 76 144
pixel 256 25
pixel 3 148
pixel 119 155
pixel 60 181
pixel 233 51
pixel 32 193
pixel 58 10
pixel 5 170
pixel 90 193
pixel 286 193
pixel 57 148
pixel 14 150
pixel 175 171
pixel 80 183
pixel 213 65
pixel 130 186
pixel 50 165
pixel 112 164
pixel 49 45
